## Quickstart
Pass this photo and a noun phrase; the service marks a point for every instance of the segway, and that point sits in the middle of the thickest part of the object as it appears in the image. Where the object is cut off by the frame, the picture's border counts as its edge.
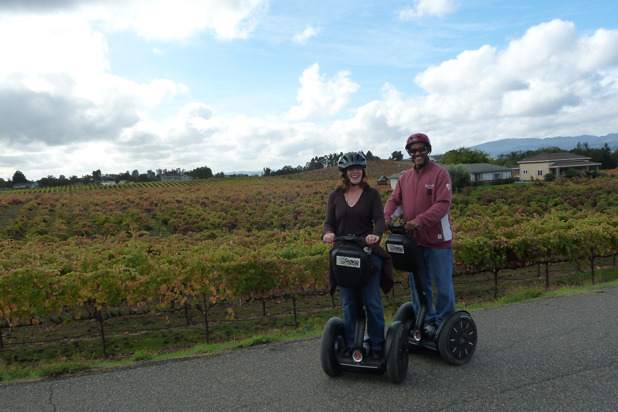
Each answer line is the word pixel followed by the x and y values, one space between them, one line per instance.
pixel 350 263
pixel 456 336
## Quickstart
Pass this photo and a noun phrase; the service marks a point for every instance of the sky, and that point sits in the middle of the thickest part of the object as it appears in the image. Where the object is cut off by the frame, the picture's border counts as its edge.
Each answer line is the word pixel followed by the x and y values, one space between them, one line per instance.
pixel 242 85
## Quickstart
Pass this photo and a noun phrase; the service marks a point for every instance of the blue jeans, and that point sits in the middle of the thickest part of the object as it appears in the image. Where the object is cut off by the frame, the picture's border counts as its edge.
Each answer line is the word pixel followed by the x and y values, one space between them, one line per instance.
pixel 372 298
pixel 436 265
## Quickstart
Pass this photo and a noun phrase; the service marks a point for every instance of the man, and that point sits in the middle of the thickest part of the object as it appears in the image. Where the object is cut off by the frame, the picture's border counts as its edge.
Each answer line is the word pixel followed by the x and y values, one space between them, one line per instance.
pixel 424 193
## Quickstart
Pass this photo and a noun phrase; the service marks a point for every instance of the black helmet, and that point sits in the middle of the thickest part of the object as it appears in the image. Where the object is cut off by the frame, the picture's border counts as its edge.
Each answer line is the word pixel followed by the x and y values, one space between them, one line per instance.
pixel 351 159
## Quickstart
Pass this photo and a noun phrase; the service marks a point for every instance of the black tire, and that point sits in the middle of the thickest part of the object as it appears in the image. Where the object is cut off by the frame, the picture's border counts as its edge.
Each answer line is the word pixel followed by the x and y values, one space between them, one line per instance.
pixel 333 340
pixel 457 339
pixel 397 355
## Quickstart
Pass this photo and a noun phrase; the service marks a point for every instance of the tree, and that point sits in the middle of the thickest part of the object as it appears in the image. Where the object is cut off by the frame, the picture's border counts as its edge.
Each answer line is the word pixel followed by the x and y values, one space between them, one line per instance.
pixel 460 175
pixel 549 177
pixel 396 155
pixel 19 177
pixel 465 155
pixel 315 163
pixel 203 172
pixel 126 176
pixel 96 176
pixel 603 155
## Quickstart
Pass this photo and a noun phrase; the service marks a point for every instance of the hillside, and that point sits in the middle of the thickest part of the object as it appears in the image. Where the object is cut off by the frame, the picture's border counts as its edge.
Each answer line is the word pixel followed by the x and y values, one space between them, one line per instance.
pixel 505 146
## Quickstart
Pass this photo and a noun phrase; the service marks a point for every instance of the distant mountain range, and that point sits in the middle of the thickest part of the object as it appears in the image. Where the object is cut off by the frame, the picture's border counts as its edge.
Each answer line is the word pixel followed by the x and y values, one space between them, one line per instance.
pixel 505 146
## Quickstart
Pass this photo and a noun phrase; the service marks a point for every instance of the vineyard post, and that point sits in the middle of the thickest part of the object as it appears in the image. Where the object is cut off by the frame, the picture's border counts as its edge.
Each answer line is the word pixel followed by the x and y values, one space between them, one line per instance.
pixel 591 258
pixel 495 271
pixel 99 316
pixel 186 309
pixel 294 306
pixel 206 318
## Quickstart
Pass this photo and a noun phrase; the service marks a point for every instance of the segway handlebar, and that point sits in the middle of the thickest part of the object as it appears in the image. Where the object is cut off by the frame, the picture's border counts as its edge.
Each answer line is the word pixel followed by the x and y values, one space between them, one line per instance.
pixel 399 228
pixel 350 239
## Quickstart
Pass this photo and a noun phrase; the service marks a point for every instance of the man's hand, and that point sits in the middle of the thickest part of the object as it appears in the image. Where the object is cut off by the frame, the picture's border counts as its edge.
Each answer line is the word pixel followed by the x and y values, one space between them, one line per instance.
pixel 411 225
pixel 329 237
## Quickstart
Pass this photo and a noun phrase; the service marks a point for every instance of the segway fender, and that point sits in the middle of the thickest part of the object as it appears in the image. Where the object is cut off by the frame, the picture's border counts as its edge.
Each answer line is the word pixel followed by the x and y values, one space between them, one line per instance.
pixel 405 315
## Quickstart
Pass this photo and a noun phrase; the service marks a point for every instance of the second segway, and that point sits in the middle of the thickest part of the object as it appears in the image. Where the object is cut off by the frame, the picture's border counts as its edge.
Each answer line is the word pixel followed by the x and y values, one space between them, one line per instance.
pixel 456 336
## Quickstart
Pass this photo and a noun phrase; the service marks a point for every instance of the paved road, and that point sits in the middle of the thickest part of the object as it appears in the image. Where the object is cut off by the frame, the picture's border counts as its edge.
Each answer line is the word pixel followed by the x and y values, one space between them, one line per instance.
pixel 556 354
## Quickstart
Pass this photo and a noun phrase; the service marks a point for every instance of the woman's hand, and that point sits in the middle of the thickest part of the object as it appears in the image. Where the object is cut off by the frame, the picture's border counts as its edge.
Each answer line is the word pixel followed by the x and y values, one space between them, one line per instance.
pixel 371 239
pixel 329 237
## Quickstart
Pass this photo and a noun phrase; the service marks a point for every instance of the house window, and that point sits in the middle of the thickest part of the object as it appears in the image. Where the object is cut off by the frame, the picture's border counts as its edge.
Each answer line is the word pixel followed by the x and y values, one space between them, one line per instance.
pixel 525 171
pixel 496 176
pixel 540 173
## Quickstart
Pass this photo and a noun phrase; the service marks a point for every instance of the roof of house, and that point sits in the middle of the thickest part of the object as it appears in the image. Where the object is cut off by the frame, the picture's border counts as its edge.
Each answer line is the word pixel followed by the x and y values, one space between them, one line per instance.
pixel 485 168
pixel 553 157
pixel 572 163
pixel 395 176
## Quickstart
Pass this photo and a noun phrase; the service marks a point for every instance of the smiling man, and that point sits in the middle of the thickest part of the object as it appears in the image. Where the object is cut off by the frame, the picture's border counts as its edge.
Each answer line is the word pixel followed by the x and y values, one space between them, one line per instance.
pixel 424 192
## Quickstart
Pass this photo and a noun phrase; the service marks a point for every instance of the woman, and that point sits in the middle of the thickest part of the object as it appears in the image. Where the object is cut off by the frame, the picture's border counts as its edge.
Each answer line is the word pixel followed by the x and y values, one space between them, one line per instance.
pixel 356 208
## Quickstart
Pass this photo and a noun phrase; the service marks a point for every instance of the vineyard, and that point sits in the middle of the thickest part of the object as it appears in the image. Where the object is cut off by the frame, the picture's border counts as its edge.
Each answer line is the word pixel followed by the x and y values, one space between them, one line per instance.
pixel 150 248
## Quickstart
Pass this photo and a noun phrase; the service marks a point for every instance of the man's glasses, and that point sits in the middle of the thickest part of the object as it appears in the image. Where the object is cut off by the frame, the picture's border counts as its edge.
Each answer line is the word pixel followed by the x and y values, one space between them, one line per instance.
pixel 420 150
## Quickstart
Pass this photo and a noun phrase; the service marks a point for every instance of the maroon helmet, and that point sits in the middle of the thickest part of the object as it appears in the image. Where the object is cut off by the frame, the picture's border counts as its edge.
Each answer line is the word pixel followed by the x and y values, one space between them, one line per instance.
pixel 418 138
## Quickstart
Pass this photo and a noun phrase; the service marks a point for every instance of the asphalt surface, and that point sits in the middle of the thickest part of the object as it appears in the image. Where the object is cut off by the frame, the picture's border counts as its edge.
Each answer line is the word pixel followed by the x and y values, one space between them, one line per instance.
pixel 556 354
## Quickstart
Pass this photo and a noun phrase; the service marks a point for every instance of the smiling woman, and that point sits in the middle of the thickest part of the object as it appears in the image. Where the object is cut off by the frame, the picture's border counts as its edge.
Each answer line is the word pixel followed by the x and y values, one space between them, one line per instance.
pixel 354 208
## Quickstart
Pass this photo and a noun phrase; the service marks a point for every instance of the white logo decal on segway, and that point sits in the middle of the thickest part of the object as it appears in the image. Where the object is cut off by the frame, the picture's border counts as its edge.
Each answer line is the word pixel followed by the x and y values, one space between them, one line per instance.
pixel 394 248
pixel 348 261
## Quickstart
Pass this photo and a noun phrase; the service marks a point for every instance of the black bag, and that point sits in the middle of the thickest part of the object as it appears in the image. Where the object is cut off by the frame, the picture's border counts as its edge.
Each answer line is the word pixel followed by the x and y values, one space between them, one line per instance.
pixel 351 266
pixel 404 251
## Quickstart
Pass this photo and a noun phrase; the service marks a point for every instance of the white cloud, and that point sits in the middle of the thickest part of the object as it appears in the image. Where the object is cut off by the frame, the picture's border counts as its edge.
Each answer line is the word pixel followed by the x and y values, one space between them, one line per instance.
pixel 308 33
pixel 180 20
pixel 167 20
pixel 319 96
pixel 423 8
pixel 55 86
pixel 536 87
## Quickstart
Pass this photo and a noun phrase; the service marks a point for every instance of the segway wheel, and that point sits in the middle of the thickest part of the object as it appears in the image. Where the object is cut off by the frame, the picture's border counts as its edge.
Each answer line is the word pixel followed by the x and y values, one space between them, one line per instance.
pixel 457 339
pixel 333 342
pixel 397 357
